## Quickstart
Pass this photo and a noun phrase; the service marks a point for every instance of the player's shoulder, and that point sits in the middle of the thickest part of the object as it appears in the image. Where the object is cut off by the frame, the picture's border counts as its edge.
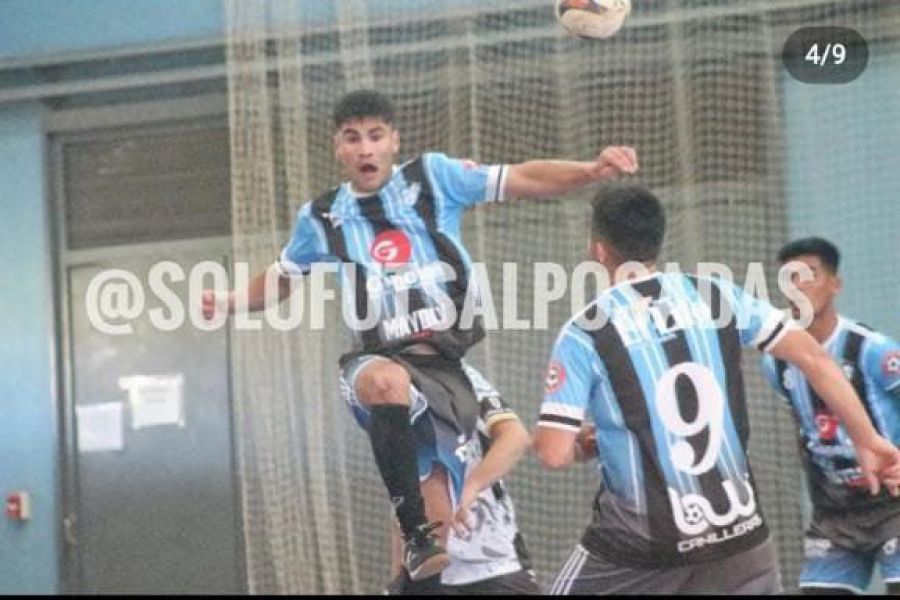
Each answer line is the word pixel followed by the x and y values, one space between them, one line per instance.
pixel 873 338
pixel 881 353
pixel 437 162
pixel 578 332
pixel 713 281
pixel 321 204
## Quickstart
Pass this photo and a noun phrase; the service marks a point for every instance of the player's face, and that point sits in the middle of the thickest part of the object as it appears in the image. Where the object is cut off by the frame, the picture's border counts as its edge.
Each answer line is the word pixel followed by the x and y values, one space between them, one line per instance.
pixel 366 149
pixel 821 289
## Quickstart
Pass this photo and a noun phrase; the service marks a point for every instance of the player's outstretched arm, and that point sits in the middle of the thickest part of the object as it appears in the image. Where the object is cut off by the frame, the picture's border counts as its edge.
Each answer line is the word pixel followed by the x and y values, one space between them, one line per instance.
pixel 544 178
pixel 878 458
pixel 509 442
pixel 215 301
pixel 555 448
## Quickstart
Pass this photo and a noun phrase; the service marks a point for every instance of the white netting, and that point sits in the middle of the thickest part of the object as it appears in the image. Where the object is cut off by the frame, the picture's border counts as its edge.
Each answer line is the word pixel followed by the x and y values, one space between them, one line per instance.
pixel 694 85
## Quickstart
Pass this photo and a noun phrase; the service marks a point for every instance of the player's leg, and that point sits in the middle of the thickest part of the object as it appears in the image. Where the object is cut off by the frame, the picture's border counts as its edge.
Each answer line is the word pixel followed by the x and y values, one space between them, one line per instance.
pixel 383 387
pixel 438 505
pixel 831 570
pixel 436 494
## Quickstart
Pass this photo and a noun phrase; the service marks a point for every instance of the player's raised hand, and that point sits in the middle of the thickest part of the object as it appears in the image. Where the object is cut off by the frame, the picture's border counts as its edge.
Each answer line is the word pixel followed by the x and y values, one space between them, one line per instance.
pixel 614 161
pixel 880 462
pixel 214 302
pixel 467 499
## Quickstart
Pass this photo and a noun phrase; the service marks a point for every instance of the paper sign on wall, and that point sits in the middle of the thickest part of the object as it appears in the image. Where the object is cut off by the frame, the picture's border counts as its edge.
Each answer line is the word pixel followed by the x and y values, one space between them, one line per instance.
pixel 155 399
pixel 100 427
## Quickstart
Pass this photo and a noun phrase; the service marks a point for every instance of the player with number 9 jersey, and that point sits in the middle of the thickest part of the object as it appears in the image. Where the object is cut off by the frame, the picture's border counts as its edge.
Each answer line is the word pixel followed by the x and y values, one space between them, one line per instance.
pixel 663 385
pixel 655 363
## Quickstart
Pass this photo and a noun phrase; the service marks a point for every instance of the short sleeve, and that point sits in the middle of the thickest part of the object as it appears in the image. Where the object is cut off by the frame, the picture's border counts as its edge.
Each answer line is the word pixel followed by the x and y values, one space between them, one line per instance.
pixel 492 408
pixel 759 323
pixel 308 245
pixel 882 364
pixel 465 183
pixel 569 380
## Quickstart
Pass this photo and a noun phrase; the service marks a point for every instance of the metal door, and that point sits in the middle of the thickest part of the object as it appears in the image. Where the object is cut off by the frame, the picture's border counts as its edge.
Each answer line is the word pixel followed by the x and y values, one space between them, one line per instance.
pixel 155 507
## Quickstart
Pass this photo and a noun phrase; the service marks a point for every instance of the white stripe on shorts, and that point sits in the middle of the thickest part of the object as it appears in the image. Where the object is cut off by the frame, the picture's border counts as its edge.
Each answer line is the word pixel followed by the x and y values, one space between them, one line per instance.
pixel 569 572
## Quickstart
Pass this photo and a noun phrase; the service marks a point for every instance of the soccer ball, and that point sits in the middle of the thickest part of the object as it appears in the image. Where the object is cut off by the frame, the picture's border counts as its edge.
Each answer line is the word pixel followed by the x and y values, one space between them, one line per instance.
pixel 592 18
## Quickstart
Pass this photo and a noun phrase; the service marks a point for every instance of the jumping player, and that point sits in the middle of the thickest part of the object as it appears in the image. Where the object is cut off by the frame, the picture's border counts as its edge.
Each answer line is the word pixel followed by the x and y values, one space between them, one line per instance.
pixel 396 231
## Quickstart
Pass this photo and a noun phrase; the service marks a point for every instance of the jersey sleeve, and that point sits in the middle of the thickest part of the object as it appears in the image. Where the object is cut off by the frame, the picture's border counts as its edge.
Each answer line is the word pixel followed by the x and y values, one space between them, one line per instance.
pixel 307 245
pixel 492 408
pixel 464 183
pixel 759 323
pixel 569 380
pixel 882 364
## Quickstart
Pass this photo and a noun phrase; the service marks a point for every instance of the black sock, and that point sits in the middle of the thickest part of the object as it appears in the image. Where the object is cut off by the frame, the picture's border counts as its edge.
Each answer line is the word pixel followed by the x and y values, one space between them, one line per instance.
pixel 394 449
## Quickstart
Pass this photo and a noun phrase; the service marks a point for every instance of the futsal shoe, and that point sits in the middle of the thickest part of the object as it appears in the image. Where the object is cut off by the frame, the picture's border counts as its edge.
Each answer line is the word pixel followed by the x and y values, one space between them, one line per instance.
pixel 423 556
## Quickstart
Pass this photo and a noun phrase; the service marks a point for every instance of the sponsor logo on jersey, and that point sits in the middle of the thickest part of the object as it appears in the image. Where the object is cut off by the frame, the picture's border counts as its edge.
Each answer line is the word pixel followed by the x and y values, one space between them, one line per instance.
pixel 891 363
pixel 694 514
pixel 391 248
pixel 827 426
pixel 418 324
pixel 556 377
pixel 724 535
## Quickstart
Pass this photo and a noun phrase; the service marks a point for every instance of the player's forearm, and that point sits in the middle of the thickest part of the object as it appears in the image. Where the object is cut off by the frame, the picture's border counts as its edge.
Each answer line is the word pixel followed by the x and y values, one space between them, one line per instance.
pixel 545 178
pixel 832 386
pixel 256 292
pixel 554 448
pixel 506 450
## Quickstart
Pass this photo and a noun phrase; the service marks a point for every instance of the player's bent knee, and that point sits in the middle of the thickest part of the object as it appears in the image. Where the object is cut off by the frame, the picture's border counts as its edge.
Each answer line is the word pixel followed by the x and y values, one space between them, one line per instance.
pixel 383 382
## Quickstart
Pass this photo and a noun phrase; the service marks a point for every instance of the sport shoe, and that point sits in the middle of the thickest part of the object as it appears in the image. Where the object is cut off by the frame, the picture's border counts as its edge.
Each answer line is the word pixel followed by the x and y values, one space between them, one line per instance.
pixel 423 556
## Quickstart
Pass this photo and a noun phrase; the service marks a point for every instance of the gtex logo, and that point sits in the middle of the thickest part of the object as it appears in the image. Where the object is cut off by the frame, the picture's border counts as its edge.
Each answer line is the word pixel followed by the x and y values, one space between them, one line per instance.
pixel 391 248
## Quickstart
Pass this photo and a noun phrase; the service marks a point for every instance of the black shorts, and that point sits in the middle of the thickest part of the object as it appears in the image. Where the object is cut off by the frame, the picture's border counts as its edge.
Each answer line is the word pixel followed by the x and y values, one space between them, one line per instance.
pixel 437 384
pixel 753 571
pixel 863 530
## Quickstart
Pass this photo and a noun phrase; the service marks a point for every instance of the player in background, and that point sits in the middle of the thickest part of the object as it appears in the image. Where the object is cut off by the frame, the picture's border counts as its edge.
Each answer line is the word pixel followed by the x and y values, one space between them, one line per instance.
pixel 487 552
pixel 851 531
pixel 656 366
pixel 394 228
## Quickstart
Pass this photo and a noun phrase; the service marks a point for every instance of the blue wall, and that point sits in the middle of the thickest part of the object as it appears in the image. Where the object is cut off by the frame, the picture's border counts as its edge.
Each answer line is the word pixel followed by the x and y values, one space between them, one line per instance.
pixel 36 27
pixel 28 447
pixel 29 27
pixel 844 181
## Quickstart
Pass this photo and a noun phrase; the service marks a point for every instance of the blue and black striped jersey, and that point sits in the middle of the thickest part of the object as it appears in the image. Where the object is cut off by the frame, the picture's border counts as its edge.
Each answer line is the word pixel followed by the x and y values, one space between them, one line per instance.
pixel 871 362
pixel 401 251
pixel 655 363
